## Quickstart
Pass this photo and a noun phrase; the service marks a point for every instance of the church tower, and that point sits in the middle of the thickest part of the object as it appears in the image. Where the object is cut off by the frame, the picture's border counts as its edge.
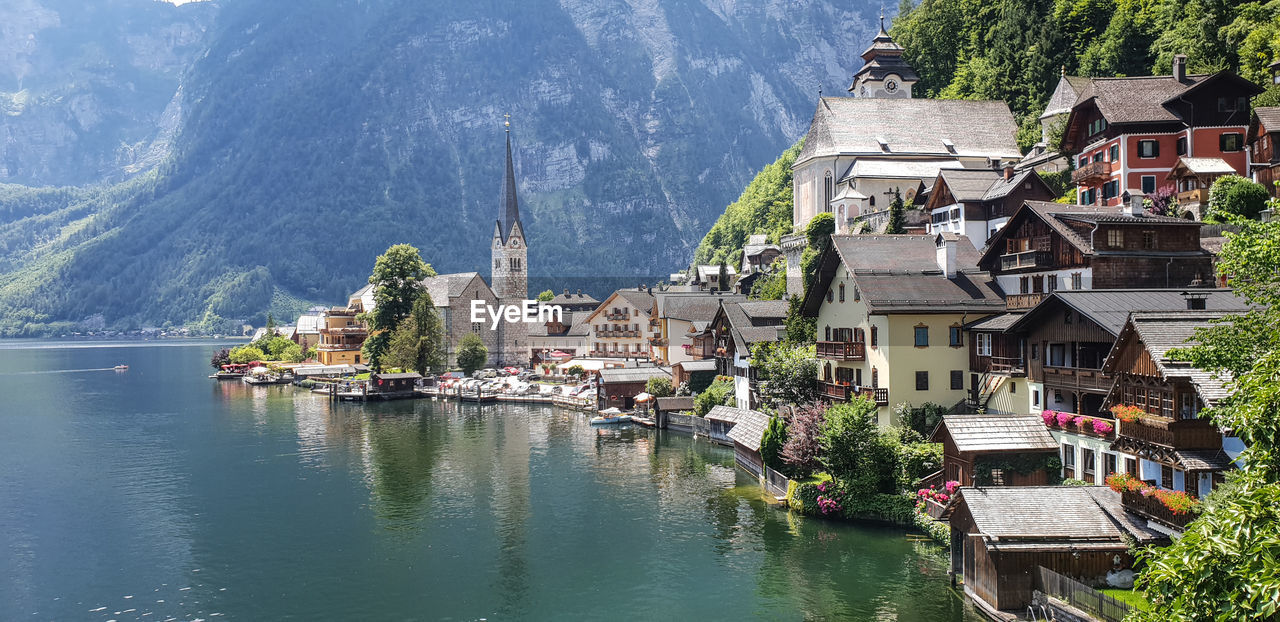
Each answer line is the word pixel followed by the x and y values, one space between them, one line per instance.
pixel 510 278
pixel 884 74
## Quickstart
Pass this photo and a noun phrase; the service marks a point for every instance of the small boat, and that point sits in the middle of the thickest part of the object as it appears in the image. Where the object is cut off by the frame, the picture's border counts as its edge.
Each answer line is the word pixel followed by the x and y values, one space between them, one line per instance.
pixel 609 416
pixel 121 367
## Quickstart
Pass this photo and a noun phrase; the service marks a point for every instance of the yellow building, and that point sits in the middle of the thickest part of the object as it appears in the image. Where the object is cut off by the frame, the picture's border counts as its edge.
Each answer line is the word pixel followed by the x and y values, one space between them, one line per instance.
pixel 890 313
pixel 341 337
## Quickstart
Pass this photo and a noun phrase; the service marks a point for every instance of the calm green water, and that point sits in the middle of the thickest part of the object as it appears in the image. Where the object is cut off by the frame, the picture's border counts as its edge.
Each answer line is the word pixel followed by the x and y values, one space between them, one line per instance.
pixel 158 493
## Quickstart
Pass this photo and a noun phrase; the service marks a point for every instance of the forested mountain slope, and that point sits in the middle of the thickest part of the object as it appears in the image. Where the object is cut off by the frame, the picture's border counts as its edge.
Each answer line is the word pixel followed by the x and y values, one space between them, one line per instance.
pixel 314 135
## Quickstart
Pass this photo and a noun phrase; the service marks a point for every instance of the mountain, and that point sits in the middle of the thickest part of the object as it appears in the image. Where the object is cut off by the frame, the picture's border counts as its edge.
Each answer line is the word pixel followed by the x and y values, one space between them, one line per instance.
pixel 312 136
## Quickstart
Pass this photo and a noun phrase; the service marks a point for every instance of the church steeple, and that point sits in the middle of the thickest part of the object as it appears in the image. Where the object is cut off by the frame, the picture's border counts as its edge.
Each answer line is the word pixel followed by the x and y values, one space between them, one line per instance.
pixel 884 72
pixel 508 205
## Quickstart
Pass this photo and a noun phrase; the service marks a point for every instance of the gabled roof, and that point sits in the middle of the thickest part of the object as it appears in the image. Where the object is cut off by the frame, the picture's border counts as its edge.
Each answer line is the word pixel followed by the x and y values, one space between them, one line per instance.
pixel 751 322
pixel 642 300
pixel 967 184
pixel 698 365
pixel 1201 166
pixel 1064 95
pixel 1265 118
pixel 1110 308
pixel 445 287
pixel 1045 514
pixel 1060 216
pixel 567 298
pixel 632 374
pixel 997 433
pixel 675 403
pixel 508 206
pixel 900 273
pixel 748 428
pixel 1160 332
pixel 916 127
pixel 693 306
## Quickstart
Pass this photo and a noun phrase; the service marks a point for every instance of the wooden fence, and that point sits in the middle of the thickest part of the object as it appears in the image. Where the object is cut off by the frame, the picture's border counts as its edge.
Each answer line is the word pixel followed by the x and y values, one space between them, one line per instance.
pixel 1080 596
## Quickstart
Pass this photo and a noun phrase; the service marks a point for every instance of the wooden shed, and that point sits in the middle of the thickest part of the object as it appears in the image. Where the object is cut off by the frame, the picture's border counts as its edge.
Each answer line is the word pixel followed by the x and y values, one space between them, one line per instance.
pixel 393 384
pixel 722 419
pixel 1000 535
pixel 982 448
pixel 746 434
pixel 619 386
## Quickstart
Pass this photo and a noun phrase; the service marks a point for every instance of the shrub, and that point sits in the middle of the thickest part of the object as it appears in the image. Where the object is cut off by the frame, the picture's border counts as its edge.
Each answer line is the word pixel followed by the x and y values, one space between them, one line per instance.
pixel 801 450
pixel 775 436
pixel 718 393
pixel 1232 196
pixel 658 386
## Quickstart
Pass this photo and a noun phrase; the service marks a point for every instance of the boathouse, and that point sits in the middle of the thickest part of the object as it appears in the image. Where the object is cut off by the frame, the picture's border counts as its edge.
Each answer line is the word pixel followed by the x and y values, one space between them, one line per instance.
pixel 722 419
pixel 748 429
pixel 618 387
pixel 392 385
pixel 997 450
pixel 1001 535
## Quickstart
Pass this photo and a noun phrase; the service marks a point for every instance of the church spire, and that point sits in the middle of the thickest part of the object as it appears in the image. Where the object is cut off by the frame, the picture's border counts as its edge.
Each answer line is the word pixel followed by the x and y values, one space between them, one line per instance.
pixel 508 206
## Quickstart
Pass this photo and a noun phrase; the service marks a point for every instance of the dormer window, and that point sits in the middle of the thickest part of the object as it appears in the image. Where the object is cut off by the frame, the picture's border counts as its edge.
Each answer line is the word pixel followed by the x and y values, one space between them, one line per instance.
pixel 951 147
pixel 884 144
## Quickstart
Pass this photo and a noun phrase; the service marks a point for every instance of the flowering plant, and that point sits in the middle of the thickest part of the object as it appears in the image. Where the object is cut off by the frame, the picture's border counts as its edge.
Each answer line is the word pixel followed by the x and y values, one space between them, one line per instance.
pixel 1064 418
pixel 1175 501
pixel 1127 414
pixel 1049 417
pixel 832 502
pixel 1102 427
pixel 940 496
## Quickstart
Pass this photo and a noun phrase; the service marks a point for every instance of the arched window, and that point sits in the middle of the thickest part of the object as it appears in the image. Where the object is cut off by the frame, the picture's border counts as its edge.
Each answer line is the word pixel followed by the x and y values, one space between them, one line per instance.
pixel 842 292
pixel 826 193
pixel 872 200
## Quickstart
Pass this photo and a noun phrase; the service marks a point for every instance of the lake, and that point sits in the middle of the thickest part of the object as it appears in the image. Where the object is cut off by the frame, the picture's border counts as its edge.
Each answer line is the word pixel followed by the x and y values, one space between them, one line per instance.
pixel 159 493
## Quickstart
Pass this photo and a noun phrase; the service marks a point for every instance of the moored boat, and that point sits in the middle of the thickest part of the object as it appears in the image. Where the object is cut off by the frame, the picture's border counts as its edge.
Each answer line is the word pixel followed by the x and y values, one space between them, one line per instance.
pixel 610 416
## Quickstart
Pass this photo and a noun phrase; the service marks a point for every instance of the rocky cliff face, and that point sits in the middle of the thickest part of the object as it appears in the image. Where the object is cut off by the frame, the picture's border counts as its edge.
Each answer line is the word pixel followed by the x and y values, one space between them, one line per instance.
pixel 309 137
pixel 87 87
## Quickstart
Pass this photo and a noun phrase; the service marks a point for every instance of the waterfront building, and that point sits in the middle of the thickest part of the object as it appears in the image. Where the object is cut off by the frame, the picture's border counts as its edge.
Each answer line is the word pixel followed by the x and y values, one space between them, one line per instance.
pixel 341 337
pixel 890 313
pixel 1062 345
pixel 1000 536
pixel 1264 157
pixel 976 203
pixel 452 295
pixel 621 326
pixel 570 334
pixel 746 434
pixel 1128 133
pixel 979 449
pixel 736 327
pixel 1046 247
pixel 1177 448
pixel 680 316
pixel 618 387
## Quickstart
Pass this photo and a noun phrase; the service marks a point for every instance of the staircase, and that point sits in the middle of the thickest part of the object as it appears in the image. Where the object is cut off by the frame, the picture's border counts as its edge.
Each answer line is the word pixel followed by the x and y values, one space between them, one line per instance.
pixel 988 384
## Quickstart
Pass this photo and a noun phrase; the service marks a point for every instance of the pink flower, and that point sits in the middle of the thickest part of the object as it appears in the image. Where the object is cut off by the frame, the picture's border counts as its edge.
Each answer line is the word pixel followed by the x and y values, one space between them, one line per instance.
pixel 1064 418
pixel 1047 416
pixel 1102 427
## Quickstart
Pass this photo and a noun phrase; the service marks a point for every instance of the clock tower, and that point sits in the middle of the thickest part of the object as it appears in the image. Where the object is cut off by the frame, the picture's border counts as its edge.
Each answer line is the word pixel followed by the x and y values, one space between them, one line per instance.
pixel 510 276
pixel 884 73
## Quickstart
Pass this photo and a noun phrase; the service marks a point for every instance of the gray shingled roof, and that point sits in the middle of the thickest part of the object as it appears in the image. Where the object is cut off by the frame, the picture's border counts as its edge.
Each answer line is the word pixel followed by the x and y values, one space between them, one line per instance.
pixel 574 299
pixel 897 168
pixel 641 300
pixel 1064 95
pixel 1162 332
pixel 1110 308
pixel 745 319
pixel 901 273
pixel 700 365
pixel 727 414
pixel 998 433
pixel 1137 99
pixel 632 374
pixel 444 287
pixel 749 428
pixel 1269 116
pixel 852 126
pixel 694 306
pixel 1204 166
pixel 969 184
pixel 1203 459
pixel 1051 513
pixel 675 403
pixel 994 323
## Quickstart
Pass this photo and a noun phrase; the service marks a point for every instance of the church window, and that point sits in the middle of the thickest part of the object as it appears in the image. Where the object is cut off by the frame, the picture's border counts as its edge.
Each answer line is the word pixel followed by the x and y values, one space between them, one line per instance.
pixel 826 193
pixel 872 200
pixel 497 263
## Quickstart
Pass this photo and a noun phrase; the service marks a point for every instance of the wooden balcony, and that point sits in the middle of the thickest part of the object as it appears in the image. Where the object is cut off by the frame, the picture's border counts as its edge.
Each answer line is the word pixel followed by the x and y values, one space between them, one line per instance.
pixel 1199 195
pixel 622 315
pixel 842 350
pixel 836 392
pixel 1007 366
pixel 1091 172
pixel 1151 508
pixel 1172 433
pixel 1076 378
pixel 1022 301
pixel 1026 259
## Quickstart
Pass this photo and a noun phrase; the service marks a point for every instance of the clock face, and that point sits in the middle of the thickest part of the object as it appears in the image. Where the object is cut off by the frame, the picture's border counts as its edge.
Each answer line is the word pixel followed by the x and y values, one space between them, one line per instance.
pixel 515 243
pixel 891 86
pixel 864 90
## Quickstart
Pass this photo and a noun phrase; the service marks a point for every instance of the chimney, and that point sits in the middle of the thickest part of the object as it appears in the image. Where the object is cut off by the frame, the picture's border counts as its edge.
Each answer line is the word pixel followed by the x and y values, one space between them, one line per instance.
pixel 1133 204
pixel 1008 171
pixel 1180 67
pixel 566 291
pixel 946 243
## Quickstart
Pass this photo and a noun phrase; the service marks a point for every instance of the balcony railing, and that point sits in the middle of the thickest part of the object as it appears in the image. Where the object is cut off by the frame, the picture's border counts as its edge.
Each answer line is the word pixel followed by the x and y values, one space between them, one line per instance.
pixel 621 315
pixel 1090 171
pixel 844 392
pixel 1151 508
pixel 1077 378
pixel 1173 433
pixel 836 392
pixel 1026 259
pixel 842 350
pixel 1199 195
pixel 1007 366
pixel 1022 301
pixel 658 341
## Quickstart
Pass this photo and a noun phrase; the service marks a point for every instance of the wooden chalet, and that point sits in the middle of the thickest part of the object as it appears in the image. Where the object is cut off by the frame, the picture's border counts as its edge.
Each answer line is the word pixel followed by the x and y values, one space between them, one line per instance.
pixel 1178 449
pixel 1047 247
pixel 974 448
pixel 619 386
pixel 1192 178
pixel 977 202
pixel 1264 132
pixel 1000 536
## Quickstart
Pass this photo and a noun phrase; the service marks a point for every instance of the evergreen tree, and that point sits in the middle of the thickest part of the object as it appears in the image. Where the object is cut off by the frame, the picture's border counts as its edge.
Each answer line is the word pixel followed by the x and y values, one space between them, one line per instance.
pixel 418 343
pixel 897 215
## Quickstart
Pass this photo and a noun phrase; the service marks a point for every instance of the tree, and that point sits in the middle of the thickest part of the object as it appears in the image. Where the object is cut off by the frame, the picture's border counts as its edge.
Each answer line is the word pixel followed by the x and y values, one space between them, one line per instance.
pixel 220 358
pixel 292 354
pixel 801 330
pixel 848 434
pixel 247 354
pixel 1233 197
pixel 472 353
pixel 788 374
pixel 1226 566
pixel 772 283
pixel 418 343
pixel 397 281
pixel 819 230
pixel 546 296
pixel 801 449
pixel 658 386
pixel 718 393
pixel 575 371
pixel 724 277
pixel 271 326
pixel 771 442
pixel 897 215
